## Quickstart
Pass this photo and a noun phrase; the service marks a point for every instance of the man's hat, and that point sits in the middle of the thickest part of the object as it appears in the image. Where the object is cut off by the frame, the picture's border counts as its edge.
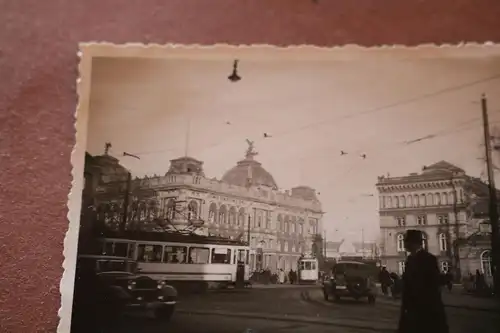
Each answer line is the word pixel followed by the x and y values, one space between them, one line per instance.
pixel 413 236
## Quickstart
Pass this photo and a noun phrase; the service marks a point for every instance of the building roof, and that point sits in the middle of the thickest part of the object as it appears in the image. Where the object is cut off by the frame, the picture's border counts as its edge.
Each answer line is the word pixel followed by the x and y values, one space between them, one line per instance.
pixel 437 171
pixel 249 172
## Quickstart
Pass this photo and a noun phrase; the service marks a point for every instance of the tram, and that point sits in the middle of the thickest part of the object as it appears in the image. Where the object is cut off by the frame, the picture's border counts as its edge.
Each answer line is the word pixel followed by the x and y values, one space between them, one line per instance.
pixel 192 261
pixel 308 271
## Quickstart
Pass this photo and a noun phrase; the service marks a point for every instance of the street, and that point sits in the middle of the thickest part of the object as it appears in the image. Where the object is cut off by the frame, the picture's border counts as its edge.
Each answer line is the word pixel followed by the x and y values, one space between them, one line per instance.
pixel 302 309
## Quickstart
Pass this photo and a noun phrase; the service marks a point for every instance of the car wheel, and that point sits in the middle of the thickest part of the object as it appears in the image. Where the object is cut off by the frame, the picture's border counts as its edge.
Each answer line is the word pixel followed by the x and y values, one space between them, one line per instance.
pixel 164 312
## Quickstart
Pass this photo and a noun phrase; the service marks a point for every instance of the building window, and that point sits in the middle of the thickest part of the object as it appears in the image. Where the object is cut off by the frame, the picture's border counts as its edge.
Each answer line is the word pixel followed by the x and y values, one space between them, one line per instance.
pixel 232 216
pixel 424 240
pixel 430 201
pixel 259 220
pixel 416 201
pixel 444 199
pixel 401 220
pixel 443 242
pixel 401 267
pixel 222 215
pixel 486 263
pixel 408 201
pixel 170 211
pixel 212 213
pixel 279 224
pixel 437 199
pixel 422 200
pixel 396 202
pixel 421 220
pixel 400 243
pixel 301 228
pixel 389 202
pixel 192 210
pixel 442 219
pixel 402 202
pixel 445 266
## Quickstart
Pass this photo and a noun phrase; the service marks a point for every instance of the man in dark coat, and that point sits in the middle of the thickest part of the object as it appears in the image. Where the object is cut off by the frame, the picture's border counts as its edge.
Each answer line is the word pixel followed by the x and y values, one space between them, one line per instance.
pixel 422 308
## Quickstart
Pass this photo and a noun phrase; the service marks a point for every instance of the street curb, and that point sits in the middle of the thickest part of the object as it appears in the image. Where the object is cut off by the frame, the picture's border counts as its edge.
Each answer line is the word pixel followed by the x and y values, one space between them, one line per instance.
pixel 294 318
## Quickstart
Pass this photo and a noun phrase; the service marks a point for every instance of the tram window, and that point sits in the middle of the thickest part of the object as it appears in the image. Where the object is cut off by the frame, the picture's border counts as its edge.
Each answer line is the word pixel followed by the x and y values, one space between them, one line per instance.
pixel 243 256
pixel 199 255
pixel 221 256
pixel 302 265
pixel 313 265
pixel 117 249
pixel 175 254
pixel 149 253
pixel 308 265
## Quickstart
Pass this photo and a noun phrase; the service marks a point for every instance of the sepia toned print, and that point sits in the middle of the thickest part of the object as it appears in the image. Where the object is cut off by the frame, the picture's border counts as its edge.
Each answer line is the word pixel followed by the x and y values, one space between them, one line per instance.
pixel 263 189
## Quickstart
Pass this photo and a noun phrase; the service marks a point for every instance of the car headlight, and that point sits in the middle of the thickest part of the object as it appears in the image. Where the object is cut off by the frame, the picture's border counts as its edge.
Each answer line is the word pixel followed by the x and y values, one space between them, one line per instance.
pixel 161 284
pixel 131 285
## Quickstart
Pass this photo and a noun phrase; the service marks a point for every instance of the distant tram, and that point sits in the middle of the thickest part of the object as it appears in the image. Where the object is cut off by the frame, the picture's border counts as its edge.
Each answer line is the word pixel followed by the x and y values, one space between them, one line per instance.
pixel 191 261
pixel 308 271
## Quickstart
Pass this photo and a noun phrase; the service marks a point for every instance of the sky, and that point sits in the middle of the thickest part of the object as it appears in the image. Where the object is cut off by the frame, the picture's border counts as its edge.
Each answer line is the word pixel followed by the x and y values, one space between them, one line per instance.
pixel 311 109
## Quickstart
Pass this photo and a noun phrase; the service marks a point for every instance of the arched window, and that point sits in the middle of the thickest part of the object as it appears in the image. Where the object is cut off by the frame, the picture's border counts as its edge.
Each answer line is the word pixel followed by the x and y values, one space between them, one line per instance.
pixel 170 209
pixel 445 266
pixel 429 200
pixel 400 239
pixel 422 200
pixel 416 201
pixel 222 214
pixel 437 199
pixel 287 227
pixel 241 217
pixel 424 240
pixel 279 224
pixel 389 202
pixel 409 201
pixel 451 198
pixel 444 199
pixel 402 202
pixel 212 213
pixel 443 242
pixel 486 263
pixel 401 267
pixel 396 202
pixel 381 202
pixel 192 210
pixel 232 216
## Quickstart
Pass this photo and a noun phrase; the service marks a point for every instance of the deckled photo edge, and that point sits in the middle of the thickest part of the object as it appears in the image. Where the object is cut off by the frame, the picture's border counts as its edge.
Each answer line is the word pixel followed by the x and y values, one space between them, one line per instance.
pixel 257 51
pixel 75 194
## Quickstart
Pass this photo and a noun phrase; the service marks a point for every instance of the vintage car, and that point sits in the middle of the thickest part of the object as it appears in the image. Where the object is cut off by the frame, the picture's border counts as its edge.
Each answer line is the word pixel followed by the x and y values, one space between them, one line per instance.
pixel 350 279
pixel 121 290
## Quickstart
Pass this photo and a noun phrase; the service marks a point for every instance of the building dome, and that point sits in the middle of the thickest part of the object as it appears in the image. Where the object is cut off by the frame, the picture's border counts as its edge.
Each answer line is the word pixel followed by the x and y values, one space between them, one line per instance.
pixel 249 172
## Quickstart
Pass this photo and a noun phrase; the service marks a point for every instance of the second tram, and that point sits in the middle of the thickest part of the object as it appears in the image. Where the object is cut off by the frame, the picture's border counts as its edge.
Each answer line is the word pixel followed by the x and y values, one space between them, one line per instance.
pixel 308 271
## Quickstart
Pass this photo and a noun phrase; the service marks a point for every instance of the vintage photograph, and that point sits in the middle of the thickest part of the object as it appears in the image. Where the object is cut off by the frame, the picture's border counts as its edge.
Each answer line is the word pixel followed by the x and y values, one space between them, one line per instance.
pixel 259 189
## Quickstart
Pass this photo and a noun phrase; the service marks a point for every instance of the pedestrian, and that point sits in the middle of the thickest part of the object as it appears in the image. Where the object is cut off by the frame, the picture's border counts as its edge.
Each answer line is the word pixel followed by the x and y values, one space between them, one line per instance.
pixel 422 309
pixel 385 279
pixel 282 276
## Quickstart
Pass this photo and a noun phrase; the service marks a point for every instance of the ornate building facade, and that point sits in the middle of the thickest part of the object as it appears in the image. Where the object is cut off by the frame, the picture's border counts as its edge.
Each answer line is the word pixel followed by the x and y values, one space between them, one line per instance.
pixel 246 203
pixel 437 201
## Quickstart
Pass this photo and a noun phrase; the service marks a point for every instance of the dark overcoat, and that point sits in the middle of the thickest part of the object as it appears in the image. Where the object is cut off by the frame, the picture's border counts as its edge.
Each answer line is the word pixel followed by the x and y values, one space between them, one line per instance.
pixel 422 309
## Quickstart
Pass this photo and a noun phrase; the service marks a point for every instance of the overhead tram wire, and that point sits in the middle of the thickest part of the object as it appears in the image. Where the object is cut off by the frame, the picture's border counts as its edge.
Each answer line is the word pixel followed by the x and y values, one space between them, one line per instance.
pixel 402 144
pixel 379 109
pixel 354 115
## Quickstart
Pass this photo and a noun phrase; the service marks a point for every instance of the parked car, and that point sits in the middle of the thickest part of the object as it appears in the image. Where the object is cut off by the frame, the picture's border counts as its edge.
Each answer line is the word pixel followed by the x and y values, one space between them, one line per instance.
pixel 350 279
pixel 120 290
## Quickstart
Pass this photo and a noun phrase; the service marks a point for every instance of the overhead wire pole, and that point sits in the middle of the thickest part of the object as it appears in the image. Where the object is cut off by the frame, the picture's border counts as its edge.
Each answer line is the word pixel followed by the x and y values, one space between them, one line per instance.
pixel 493 205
